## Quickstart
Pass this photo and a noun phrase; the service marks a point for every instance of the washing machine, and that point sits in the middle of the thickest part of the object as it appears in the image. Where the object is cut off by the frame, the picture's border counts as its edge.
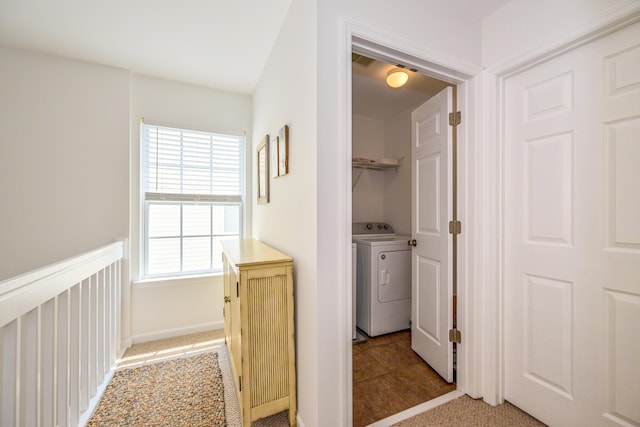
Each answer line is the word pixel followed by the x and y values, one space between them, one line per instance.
pixel 360 230
pixel 354 278
pixel 383 284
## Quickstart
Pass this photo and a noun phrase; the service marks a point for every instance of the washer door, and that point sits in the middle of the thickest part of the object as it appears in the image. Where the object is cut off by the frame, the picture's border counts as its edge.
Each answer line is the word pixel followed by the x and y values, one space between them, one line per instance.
pixel 394 275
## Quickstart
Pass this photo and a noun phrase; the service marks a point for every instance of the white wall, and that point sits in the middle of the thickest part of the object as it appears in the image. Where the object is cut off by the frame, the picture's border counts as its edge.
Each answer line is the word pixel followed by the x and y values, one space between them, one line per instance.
pixel 64 158
pixel 421 25
pixel 368 193
pixel 176 307
pixel 383 195
pixel 286 94
pixel 523 25
pixel 397 184
pixel 420 22
pixel 164 308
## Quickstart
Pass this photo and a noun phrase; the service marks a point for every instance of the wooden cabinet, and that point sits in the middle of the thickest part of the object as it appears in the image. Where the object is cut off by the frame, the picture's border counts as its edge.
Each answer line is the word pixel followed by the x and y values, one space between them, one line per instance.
pixel 259 328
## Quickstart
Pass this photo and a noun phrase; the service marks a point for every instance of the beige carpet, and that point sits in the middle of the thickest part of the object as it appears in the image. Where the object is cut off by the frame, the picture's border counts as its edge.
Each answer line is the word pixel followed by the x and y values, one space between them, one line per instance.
pixel 180 392
pixel 466 411
pixel 186 346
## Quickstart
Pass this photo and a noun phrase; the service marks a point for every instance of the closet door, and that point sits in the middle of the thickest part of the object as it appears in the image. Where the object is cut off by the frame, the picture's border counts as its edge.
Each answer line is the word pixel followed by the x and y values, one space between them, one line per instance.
pixel 572 235
pixel 431 204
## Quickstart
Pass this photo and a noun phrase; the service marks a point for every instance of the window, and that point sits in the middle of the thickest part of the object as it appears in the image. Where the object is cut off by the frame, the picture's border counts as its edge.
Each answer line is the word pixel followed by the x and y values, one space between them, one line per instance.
pixel 192 189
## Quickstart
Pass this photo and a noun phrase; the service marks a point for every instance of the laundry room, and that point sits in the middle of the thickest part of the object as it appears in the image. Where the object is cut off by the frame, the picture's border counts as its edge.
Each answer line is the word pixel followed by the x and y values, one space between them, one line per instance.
pixel 386 368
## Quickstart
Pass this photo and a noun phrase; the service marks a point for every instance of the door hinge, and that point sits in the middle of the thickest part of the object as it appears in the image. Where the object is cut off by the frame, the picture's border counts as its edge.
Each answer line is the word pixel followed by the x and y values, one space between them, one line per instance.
pixel 240 382
pixel 455 227
pixel 455 118
pixel 237 290
pixel 455 336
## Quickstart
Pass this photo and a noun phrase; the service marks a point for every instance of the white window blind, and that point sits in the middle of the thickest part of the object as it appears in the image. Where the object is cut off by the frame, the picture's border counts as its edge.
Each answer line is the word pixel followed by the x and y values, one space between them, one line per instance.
pixel 193 192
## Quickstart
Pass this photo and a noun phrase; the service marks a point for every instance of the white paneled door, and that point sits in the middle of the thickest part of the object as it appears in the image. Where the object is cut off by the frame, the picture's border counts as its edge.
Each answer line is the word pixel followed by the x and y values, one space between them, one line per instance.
pixel 431 284
pixel 572 235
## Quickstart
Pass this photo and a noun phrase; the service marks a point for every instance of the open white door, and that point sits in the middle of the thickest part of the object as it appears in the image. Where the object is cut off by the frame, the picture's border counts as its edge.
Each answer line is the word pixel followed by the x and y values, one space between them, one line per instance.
pixel 572 235
pixel 431 289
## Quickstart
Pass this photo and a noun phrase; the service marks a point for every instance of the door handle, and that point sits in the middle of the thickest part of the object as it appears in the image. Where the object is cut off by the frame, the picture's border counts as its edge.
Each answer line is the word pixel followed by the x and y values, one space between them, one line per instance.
pixel 384 277
pixel 413 243
pixel 227 299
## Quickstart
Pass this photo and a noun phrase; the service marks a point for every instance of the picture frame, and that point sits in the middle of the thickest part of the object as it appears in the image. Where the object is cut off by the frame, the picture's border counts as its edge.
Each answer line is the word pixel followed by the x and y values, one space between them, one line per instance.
pixel 273 161
pixel 283 151
pixel 263 171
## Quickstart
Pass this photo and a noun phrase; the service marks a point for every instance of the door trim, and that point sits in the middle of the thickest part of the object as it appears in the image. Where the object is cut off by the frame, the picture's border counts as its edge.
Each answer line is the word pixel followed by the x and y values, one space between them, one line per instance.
pixel 491 204
pixel 381 45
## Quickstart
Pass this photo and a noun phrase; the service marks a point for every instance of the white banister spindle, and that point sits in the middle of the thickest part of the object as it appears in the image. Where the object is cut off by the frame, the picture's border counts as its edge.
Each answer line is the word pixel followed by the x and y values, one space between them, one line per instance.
pixel 47 363
pixel 109 327
pixel 116 313
pixel 9 366
pixel 85 332
pixel 62 362
pixel 30 368
pixel 75 352
pixel 59 339
pixel 100 325
pixel 93 335
pixel 106 328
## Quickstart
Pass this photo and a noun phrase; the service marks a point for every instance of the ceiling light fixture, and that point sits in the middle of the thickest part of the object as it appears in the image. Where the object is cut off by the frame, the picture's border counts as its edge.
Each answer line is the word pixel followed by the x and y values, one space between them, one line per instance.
pixel 397 77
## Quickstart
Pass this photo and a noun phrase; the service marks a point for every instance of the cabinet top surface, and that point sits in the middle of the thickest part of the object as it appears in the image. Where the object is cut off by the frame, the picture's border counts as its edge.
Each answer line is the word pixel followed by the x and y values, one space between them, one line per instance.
pixel 250 251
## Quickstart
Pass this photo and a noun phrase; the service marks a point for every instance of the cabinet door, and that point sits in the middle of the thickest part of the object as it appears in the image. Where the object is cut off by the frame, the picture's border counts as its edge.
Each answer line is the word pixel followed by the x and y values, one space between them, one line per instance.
pixel 236 341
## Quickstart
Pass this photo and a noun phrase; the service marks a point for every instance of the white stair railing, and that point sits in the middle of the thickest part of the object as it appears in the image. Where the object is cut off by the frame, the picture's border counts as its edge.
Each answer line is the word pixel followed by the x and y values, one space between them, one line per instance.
pixel 59 339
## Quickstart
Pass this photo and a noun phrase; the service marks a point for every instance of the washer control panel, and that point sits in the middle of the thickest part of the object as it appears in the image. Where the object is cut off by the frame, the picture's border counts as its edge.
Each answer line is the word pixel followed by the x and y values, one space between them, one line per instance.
pixel 364 228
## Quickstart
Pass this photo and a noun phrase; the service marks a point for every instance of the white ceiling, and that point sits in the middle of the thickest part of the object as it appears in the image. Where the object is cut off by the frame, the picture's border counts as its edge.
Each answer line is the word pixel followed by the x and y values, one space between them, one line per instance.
pixel 215 43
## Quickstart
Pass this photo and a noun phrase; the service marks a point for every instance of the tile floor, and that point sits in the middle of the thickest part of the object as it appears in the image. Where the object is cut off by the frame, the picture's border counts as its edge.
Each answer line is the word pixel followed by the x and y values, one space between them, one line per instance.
pixel 389 377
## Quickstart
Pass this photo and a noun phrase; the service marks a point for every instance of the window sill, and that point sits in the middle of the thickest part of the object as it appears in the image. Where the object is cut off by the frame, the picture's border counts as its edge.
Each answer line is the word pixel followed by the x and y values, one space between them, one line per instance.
pixel 175 279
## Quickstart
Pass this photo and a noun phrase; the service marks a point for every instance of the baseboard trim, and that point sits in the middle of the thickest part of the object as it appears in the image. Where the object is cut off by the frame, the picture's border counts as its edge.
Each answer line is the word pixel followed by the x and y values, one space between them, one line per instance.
pixel 411 412
pixel 125 344
pixel 176 332
pixel 95 400
pixel 299 421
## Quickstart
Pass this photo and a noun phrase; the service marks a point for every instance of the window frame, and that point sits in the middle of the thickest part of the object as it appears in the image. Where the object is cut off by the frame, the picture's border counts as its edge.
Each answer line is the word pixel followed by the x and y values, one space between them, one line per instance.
pixel 149 197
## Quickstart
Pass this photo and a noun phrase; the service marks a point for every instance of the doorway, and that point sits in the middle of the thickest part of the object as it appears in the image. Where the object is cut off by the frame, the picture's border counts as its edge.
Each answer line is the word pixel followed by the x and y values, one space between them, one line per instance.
pixel 382 131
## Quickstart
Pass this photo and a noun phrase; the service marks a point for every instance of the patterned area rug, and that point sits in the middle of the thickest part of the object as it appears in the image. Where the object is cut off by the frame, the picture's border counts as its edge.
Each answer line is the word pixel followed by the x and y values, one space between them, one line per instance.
pixel 180 392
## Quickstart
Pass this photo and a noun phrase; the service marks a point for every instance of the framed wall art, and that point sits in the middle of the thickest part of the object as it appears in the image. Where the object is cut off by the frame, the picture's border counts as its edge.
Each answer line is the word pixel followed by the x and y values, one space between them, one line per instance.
pixel 263 171
pixel 283 151
pixel 273 161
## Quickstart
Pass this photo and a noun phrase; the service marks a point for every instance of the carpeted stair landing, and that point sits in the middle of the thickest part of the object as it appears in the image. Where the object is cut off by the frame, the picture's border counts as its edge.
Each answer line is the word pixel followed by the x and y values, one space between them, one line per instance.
pixel 180 392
